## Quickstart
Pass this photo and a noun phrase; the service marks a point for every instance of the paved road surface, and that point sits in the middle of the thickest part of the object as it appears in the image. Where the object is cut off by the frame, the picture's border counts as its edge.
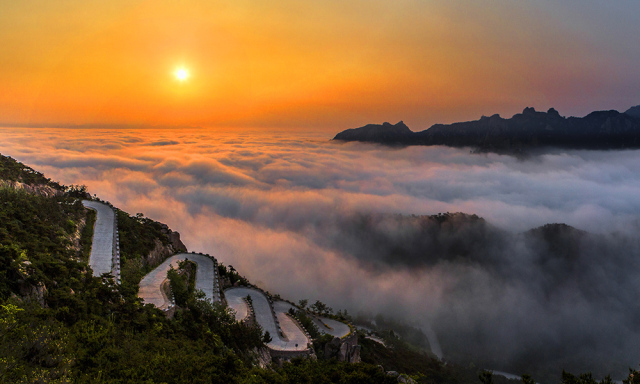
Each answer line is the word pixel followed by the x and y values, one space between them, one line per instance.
pixel 236 302
pixel 376 339
pixel 338 329
pixel 100 259
pixel 433 340
pixel 150 286
pixel 295 340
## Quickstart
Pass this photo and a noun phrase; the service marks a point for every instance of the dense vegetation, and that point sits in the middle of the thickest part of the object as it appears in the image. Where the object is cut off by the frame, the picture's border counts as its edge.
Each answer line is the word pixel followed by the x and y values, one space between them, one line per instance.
pixel 138 237
pixel 12 170
pixel 305 320
pixel 36 245
pixel 87 234
pixel 230 277
pixel 183 282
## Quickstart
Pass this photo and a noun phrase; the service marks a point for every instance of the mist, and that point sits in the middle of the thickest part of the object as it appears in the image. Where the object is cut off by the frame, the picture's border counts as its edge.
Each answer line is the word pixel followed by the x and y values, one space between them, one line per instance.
pixel 365 227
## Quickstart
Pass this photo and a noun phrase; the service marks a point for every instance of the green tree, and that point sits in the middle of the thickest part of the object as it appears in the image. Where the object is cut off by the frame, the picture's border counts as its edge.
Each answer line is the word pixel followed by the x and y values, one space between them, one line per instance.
pixel 527 379
pixel 584 378
pixel 321 308
pixel 633 378
pixel 266 338
pixel 486 377
pixel 33 346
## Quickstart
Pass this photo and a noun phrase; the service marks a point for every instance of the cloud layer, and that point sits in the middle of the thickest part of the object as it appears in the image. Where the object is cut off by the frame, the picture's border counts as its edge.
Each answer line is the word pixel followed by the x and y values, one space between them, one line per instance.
pixel 310 218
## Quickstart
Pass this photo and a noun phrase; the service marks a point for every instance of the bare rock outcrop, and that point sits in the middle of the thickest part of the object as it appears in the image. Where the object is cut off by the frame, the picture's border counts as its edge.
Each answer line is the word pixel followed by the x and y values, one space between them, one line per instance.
pixel 35 189
pixel 161 251
pixel 346 349
pixel 36 292
pixel 402 378
pixel 178 245
pixel 263 357
pixel 174 239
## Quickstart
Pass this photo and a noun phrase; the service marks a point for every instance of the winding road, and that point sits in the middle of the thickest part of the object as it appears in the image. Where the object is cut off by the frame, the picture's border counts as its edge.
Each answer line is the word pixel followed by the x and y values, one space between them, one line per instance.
pixel 292 338
pixel 206 279
pixel 331 327
pixel 296 337
pixel 104 257
pixel 287 335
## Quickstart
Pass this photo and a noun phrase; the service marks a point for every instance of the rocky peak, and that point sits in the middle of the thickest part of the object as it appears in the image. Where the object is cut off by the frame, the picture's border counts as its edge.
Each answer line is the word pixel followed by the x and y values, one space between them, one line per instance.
pixel 385 132
pixel 553 113
pixel 399 126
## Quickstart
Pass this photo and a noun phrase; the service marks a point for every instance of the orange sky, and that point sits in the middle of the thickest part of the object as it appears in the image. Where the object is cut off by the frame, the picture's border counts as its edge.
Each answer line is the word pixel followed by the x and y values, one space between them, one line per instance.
pixel 329 63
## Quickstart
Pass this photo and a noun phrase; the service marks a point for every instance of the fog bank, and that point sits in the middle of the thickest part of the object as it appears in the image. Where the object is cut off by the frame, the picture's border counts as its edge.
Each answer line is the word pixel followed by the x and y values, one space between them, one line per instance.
pixel 310 218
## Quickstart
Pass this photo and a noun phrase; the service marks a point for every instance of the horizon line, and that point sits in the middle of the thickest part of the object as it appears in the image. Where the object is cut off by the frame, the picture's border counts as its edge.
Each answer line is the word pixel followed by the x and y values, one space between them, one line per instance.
pixel 166 126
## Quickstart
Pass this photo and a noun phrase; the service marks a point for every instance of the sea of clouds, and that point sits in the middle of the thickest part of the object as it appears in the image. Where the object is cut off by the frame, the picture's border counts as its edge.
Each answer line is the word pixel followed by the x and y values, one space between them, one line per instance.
pixel 281 207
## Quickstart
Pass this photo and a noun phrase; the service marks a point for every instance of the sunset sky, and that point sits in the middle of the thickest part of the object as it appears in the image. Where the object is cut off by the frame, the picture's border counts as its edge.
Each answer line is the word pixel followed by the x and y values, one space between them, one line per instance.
pixel 324 64
pixel 243 96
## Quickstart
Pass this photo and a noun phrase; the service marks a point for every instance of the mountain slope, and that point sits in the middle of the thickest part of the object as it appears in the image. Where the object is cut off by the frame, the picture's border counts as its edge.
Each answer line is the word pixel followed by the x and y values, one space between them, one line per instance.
pixel 60 324
pixel 385 133
pixel 633 111
pixel 527 130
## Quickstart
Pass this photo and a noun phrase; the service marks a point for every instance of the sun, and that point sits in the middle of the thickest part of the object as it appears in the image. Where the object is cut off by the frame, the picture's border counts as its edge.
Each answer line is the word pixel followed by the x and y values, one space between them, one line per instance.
pixel 181 74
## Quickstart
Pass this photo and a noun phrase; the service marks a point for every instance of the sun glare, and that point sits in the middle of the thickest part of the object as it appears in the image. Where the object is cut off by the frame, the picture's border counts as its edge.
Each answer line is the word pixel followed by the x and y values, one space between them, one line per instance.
pixel 181 74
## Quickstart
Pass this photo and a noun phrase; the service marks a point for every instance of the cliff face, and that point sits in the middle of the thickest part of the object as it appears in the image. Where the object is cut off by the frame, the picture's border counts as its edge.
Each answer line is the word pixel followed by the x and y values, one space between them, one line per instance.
pixel 161 251
pixel 176 243
pixel 346 349
pixel 529 129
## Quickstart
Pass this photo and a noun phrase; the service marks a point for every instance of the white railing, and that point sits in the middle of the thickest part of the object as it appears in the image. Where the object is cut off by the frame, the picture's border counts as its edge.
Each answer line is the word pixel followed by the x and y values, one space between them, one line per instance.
pixel 115 257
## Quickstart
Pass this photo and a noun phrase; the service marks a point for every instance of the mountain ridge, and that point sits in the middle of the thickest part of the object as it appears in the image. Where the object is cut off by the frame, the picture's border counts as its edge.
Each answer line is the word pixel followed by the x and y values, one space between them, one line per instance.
pixel 524 131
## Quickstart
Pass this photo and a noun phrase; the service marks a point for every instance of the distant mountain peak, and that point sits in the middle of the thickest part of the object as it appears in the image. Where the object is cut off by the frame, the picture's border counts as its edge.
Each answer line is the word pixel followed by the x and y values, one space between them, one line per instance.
pixel 527 130
pixel 399 124
pixel 378 133
pixel 553 112
pixel 531 112
pixel 633 111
